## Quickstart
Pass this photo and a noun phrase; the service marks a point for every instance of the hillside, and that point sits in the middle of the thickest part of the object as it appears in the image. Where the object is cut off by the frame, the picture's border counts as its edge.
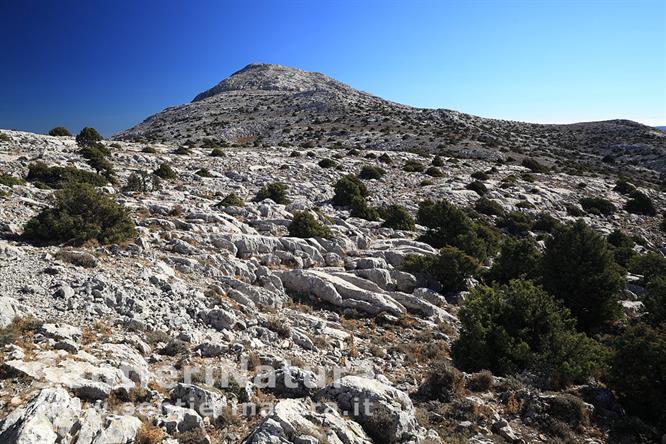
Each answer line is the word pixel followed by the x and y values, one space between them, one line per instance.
pixel 264 105
pixel 127 341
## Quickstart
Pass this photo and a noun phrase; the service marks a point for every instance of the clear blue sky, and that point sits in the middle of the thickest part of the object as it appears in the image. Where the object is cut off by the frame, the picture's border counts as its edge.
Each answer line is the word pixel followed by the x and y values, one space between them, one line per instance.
pixel 110 64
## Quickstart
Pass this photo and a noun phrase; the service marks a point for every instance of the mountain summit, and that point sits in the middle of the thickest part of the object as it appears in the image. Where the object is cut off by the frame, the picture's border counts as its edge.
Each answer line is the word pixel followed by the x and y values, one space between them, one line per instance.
pixel 265 104
pixel 268 77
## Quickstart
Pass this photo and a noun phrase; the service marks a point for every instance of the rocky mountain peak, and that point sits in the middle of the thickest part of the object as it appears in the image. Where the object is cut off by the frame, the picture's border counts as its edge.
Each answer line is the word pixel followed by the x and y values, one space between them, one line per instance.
pixel 270 77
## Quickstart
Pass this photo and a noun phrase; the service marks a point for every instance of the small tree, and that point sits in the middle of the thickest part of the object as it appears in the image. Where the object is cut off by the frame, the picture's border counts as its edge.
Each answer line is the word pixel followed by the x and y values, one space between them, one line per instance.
pixel 437 161
pixel 305 225
pixel 276 191
pixel 579 269
pixel 398 218
pixel 59 131
pixel 520 327
pixel 80 213
pixel 88 137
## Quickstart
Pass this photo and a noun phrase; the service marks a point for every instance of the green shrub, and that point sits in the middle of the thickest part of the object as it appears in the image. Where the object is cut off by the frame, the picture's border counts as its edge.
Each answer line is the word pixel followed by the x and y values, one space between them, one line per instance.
pixel 59 131
pixel 434 172
pixel 622 247
pixel 638 370
pixel 437 161
pixel 451 267
pixel 359 208
pixel 217 152
pixel 348 187
pixel 624 187
pixel 183 151
pixel 135 182
pixel 398 218
pixel 57 177
pixel 295 154
pixel 546 223
pixel 448 225
pixel 371 172
pixel 650 265
pixel 203 172
pixel 519 258
pixel 413 166
pixel 597 205
pixel 578 269
pixel 327 163
pixel 232 200
pixel 277 192
pixel 640 203
pixel 149 150
pixel 516 223
pixel 489 207
pixel 88 137
pixel 519 327
pixel 305 225
pixel 534 166
pixel 385 158
pixel 164 171
pixel 425 183
pixel 478 187
pixel 5 137
pixel 573 210
pixel 10 181
pixel 655 300
pixel 80 213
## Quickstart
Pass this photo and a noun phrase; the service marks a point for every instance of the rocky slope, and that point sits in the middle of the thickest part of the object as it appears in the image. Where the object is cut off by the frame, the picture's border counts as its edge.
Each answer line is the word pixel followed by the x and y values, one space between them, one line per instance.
pixel 276 105
pixel 205 290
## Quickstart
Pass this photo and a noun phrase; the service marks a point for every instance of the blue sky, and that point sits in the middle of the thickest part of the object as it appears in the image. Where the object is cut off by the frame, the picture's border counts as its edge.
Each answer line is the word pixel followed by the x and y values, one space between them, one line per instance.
pixel 110 64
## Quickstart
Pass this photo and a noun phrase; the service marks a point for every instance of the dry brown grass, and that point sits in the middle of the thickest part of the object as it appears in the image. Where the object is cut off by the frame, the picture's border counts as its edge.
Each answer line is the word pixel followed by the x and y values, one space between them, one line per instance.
pixel 149 434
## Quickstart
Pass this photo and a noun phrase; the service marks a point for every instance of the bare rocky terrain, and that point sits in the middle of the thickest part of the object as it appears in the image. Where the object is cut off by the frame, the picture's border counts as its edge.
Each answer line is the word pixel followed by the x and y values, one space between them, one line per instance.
pixel 127 342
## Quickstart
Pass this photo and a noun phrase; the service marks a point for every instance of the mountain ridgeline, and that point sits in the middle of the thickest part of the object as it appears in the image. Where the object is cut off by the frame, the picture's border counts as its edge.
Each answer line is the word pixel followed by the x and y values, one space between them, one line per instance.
pixel 265 104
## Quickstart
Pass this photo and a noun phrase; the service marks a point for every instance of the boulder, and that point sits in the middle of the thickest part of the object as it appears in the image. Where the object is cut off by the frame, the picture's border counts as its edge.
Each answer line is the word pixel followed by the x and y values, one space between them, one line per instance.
pixel 386 413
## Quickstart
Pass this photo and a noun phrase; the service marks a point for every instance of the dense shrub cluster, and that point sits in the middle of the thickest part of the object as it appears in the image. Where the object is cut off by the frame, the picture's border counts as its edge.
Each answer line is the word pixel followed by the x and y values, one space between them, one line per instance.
pixel 638 372
pixel 397 217
pixel 305 225
pixel 80 213
pixel 451 267
pixel 277 192
pixel 578 269
pixel 489 207
pixel 597 205
pixel 519 326
pixel 516 223
pixel 57 177
pixel 449 225
pixel 518 258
